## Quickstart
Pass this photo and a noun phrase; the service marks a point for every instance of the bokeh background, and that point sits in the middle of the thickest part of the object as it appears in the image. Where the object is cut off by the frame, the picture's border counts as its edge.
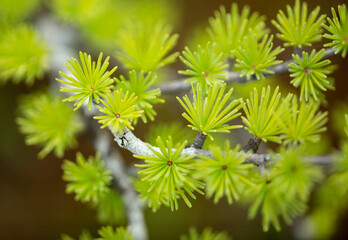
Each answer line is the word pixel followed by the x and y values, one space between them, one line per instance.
pixel 33 202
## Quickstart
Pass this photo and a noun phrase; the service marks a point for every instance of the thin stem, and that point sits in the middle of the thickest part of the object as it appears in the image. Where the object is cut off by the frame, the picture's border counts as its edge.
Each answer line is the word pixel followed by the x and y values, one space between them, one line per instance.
pixel 198 142
pixel 253 144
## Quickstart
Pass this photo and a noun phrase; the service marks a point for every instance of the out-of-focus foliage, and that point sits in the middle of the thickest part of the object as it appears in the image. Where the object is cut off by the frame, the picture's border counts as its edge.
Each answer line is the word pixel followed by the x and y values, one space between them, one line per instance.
pixel 48 122
pixel 110 208
pixel 227 29
pixel 294 175
pixel 88 179
pixel 310 73
pixel 224 173
pixel 145 47
pixel 254 58
pixel 169 173
pixel 109 233
pixel 206 67
pixel 15 11
pixel 88 81
pixel 119 111
pixel 112 15
pixel 338 28
pixel 23 54
pixel 149 197
pixel 301 122
pixel 207 234
pixel 178 131
pixel 272 203
pixel 333 192
pixel 209 114
pixel 85 235
pixel 140 84
pixel 298 29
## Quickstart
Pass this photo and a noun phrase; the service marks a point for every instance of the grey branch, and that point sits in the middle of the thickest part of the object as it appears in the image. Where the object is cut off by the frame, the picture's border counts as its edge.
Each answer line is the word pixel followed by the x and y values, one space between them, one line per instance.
pixel 136 146
pixel 114 162
pixel 181 86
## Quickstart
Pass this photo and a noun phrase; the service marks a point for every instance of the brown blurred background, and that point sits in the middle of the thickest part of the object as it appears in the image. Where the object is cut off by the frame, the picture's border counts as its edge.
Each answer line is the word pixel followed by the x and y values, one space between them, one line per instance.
pixel 33 203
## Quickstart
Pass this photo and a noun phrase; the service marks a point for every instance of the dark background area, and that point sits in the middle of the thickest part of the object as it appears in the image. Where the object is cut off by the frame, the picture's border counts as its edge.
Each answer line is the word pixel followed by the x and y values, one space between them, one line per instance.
pixel 33 202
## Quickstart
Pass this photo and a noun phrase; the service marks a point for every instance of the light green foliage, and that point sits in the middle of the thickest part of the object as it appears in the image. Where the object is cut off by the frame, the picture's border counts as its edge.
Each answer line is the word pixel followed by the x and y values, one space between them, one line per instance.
pixel 112 15
pixel 169 173
pixel 85 235
pixel 301 122
pixel 207 234
pixel 48 122
pixel 178 131
pixel 110 208
pixel 150 197
pixel 224 173
pixel 206 67
pixel 294 175
pixel 120 233
pixel 228 29
pixel 140 84
pixel 298 28
pixel 145 47
pixel 310 73
pixel 89 81
pixel 15 11
pixel 120 111
pixel 261 114
pixel 209 114
pixel 23 55
pixel 88 179
pixel 338 28
pixel 254 57
pixel 273 204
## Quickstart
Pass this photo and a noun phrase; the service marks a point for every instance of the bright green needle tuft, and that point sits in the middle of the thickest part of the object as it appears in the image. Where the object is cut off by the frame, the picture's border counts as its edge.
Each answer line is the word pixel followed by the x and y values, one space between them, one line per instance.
pixel 253 58
pixel 169 173
pixel 89 81
pixel 210 114
pixel 119 111
pixel 261 114
pixel 205 66
pixel 224 173
pixel 140 84
pixel 310 73
pixel 299 29
pixel 338 28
